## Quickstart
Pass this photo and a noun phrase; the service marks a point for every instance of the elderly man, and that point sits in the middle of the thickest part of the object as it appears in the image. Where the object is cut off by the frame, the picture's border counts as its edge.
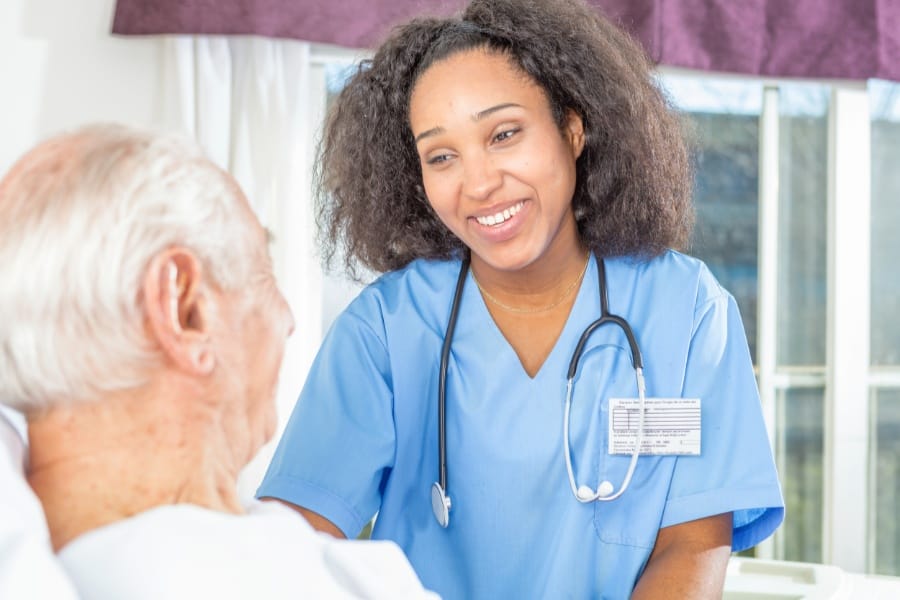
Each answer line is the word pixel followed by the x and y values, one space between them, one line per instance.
pixel 142 334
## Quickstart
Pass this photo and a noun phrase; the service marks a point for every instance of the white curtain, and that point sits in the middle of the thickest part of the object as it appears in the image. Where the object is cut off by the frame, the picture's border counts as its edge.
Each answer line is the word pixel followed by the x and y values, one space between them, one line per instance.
pixel 248 101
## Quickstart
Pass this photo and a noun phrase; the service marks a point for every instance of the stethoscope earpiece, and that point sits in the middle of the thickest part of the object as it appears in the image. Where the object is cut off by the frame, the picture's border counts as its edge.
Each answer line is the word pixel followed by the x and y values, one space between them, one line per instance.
pixel 605 489
pixel 585 494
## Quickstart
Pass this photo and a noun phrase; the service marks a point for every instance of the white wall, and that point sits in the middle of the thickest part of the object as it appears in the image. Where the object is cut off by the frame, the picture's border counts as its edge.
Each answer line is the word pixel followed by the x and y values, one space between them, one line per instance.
pixel 61 68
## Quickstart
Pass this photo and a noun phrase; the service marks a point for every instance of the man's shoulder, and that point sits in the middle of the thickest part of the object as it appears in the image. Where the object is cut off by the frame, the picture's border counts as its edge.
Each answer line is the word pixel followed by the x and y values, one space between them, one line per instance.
pixel 180 550
pixel 188 552
pixel 198 529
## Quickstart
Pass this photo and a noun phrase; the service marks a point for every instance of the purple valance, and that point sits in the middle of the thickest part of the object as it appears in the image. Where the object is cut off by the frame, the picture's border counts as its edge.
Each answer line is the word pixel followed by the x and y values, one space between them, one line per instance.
pixel 842 39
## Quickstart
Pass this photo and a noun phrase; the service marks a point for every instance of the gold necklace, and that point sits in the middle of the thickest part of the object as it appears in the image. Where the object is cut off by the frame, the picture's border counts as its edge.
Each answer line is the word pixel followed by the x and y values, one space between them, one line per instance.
pixel 516 309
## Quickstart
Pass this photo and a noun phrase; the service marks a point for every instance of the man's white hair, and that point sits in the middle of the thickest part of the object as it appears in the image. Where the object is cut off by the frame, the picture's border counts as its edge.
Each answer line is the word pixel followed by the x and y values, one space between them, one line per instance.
pixel 81 217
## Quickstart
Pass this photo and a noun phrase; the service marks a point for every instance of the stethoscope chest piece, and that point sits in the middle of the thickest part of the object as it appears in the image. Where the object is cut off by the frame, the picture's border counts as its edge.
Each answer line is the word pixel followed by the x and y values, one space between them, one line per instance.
pixel 440 504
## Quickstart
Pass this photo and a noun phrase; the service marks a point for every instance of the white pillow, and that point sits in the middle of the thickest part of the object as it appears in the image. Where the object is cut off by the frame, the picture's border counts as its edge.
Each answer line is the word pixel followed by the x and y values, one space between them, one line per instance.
pixel 28 567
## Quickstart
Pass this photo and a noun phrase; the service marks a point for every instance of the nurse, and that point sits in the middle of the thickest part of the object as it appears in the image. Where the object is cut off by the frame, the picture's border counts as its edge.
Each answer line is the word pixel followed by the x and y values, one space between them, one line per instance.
pixel 498 168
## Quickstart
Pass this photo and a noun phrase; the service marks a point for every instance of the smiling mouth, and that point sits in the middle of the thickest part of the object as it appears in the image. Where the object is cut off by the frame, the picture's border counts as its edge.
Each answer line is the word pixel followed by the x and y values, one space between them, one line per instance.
pixel 500 217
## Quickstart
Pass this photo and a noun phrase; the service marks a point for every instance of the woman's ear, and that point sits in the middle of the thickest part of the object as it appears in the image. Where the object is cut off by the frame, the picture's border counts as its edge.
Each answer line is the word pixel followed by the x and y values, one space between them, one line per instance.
pixel 177 309
pixel 574 132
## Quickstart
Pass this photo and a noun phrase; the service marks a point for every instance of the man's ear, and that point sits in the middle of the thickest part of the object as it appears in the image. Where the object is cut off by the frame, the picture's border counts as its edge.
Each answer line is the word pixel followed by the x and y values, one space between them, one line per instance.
pixel 177 309
pixel 575 132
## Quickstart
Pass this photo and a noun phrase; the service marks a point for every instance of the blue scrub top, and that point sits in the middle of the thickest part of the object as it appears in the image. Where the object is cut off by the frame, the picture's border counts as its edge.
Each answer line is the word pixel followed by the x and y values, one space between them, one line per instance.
pixel 363 436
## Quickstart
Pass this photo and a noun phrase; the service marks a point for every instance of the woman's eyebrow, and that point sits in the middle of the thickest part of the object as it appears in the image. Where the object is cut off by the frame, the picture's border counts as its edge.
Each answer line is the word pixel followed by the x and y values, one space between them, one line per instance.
pixel 476 117
pixel 489 111
pixel 429 133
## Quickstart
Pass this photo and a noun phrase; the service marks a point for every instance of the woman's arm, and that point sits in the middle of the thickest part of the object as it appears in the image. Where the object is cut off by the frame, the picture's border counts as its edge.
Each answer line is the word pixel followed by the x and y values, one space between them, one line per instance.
pixel 317 521
pixel 688 560
pixel 321 523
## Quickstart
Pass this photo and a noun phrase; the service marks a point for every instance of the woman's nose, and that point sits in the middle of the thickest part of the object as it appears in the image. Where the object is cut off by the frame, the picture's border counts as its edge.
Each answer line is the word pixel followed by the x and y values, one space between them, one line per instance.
pixel 481 178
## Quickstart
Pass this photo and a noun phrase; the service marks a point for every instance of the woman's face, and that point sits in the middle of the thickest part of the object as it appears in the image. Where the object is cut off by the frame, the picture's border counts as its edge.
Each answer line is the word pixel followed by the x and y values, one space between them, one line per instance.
pixel 496 168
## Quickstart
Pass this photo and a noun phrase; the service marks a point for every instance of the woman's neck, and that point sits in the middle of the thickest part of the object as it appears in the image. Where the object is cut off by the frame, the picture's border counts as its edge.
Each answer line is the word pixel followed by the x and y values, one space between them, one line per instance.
pixel 539 286
pixel 530 306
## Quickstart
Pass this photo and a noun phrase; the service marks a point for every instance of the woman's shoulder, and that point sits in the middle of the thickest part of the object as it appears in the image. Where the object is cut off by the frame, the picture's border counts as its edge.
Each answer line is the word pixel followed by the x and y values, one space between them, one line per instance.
pixel 673 270
pixel 420 285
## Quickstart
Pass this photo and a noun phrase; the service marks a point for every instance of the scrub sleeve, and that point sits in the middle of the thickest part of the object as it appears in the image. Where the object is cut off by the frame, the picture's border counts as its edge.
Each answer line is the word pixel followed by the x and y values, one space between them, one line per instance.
pixel 345 433
pixel 735 474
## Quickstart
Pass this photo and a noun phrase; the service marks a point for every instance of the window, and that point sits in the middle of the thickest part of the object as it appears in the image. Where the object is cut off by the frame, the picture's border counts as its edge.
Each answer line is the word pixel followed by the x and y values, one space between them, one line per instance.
pixel 722 125
pixel 800 324
pixel 884 545
pixel 338 289
pixel 764 191
pixel 886 475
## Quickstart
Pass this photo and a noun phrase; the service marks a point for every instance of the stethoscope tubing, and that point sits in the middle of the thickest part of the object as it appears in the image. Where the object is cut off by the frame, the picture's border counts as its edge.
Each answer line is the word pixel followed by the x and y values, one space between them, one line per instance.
pixel 637 360
pixel 600 493
pixel 440 498
pixel 442 378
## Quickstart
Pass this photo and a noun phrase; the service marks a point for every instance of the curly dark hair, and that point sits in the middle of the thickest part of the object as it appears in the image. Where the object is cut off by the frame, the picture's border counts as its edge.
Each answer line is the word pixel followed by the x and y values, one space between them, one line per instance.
pixel 633 178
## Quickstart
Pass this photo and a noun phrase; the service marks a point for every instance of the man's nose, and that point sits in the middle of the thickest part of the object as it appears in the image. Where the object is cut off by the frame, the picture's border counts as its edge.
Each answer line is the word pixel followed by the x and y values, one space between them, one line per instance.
pixel 290 323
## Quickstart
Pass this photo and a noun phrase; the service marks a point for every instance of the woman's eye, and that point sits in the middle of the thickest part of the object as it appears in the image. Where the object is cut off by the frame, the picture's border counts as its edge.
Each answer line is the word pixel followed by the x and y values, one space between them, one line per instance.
pixel 505 135
pixel 439 159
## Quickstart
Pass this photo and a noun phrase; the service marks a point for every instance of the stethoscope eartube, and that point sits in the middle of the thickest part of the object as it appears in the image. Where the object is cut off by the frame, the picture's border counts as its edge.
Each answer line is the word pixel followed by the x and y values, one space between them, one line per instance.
pixel 440 499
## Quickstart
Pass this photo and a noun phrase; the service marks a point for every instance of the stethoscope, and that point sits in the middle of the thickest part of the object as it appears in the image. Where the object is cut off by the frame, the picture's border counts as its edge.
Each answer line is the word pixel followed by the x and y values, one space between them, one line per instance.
pixel 440 499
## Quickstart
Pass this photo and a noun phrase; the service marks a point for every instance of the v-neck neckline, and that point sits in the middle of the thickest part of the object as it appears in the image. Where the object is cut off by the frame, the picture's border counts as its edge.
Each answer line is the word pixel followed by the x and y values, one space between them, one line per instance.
pixel 565 335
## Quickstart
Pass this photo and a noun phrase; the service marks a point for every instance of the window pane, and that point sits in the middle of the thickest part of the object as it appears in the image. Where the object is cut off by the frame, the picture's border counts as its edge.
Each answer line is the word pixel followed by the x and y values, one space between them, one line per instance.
pixel 336 76
pixel 722 120
pixel 887 482
pixel 338 290
pixel 799 450
pixel 885 106
pixel 885 328
pixel 802 287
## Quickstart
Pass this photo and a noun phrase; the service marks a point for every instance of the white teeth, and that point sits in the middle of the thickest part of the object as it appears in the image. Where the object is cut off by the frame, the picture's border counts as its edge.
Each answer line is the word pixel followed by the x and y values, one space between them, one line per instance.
pixel 500 217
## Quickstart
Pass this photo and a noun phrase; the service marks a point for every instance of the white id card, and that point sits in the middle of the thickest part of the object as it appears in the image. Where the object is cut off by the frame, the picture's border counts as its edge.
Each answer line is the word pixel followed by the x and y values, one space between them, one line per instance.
pixel 671 426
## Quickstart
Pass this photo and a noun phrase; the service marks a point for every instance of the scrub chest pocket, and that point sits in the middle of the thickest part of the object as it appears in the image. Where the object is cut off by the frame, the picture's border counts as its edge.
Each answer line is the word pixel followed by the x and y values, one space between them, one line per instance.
pixel 634 518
